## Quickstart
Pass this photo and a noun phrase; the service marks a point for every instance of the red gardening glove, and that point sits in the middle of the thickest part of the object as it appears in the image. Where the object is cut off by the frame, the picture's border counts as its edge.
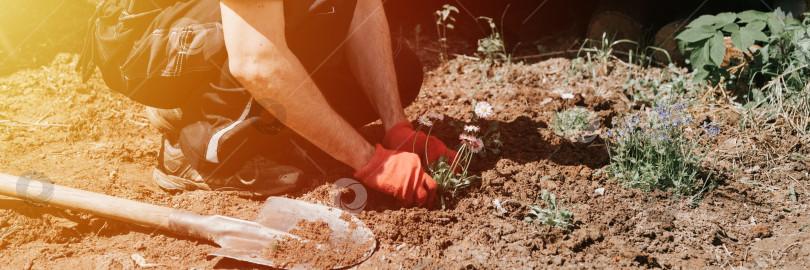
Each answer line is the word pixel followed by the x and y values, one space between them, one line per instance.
pixel 399 174
pixel 403 137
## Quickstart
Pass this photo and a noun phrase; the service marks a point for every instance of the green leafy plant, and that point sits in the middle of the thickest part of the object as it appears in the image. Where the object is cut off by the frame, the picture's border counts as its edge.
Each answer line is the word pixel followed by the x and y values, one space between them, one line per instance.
pixel 704 38
pixel 654 149
pixel 570 121
pixel 452 178
pixel 491 49
pixel 551 213
pixel 595 58
pixel 784 62
pixel 775 73
pixel 444 21
pixel 671 84
pixel 492 59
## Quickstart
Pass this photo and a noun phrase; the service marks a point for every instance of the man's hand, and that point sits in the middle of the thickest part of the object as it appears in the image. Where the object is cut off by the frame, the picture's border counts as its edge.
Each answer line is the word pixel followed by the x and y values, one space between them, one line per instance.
pixel 403 137
pixel 399 174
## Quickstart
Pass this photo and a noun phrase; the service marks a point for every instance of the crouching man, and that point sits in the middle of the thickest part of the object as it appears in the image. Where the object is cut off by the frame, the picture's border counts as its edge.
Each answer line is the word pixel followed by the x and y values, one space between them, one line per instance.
pixel 296 74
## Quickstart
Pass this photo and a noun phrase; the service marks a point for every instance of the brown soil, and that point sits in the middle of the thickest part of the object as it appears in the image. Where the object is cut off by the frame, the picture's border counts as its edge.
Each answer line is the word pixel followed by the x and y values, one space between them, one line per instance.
pixel 84 136
pixel 318 231
pixel 316 251
pixel 348 218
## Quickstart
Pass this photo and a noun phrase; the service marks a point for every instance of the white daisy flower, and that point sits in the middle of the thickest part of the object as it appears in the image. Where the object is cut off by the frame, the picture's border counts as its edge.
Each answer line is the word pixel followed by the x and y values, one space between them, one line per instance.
pixel 471 128
pixel 436 115
pixel 466 138
pixel 483 110
pixel 475 144
pixel 478 145
pixel 568 96
pixel 425 120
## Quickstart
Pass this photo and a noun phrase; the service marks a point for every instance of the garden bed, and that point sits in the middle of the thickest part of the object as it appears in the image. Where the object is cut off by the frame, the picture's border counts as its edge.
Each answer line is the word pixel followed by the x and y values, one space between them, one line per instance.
pixel 108 147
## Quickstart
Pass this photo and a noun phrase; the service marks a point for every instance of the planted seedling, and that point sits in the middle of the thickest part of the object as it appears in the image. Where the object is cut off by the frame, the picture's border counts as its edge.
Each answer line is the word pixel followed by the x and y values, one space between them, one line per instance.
pixel 444 21
pixel 453 175
pixel 793 195
pixel 576 124
pixel 550 214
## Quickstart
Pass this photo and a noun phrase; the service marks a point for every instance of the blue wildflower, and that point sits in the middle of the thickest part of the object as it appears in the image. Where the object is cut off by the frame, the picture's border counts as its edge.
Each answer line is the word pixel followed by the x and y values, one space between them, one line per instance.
pixel 710 129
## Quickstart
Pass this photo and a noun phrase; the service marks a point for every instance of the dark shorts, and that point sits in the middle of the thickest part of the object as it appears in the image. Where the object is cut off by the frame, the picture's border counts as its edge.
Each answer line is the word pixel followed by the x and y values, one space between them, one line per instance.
pixel 224 125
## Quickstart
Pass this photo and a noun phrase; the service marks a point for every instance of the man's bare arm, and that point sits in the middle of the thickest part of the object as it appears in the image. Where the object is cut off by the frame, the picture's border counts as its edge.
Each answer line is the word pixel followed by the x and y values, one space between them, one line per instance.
pixel 371 60
pixel 261 61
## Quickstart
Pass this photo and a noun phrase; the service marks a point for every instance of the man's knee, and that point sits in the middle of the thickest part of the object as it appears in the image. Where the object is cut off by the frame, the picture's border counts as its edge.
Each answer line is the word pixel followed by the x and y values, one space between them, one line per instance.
pixel 410 73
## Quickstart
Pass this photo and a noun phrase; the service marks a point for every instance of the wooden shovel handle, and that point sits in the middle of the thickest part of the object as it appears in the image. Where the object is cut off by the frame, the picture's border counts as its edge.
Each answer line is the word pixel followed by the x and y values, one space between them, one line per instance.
pixel 99 204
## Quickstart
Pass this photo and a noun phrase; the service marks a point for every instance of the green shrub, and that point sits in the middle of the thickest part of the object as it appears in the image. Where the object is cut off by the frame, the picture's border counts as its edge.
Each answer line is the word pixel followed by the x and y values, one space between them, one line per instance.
pixel 783 62
pixel 653 149
pixel 784 45
pixel 570 121
pixel 775 78
pixel 704 39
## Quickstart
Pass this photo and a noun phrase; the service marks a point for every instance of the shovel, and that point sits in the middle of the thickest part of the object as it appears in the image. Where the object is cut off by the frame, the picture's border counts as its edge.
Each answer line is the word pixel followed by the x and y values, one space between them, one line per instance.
pixel 239 239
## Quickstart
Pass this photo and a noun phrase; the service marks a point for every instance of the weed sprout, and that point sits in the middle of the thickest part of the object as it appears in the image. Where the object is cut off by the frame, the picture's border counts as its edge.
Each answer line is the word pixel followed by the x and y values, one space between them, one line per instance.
pixel 444 20
pixel 551 214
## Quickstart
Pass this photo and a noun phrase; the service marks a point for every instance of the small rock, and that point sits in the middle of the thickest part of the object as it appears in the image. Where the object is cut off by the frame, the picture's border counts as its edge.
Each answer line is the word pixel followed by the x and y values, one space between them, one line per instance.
pixel 63 222
pixel 600 191
pixel 761 263
pixel 548 184
pixel 524 252
pixel 141 261
pixel 558 260
pixel 761 231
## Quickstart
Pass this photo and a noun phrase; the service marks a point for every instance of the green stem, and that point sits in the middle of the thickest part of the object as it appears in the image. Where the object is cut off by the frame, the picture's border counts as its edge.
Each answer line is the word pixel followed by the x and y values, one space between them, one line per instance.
pixel 426 144
pixel 415 132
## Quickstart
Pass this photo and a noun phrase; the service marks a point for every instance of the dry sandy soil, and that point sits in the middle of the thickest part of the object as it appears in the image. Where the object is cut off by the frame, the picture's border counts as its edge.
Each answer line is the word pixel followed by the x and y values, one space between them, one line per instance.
pixel 86 137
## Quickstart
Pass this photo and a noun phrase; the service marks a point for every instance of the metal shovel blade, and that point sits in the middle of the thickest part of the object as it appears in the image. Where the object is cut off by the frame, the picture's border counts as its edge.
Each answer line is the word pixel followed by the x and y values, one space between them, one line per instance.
pixel 283 215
